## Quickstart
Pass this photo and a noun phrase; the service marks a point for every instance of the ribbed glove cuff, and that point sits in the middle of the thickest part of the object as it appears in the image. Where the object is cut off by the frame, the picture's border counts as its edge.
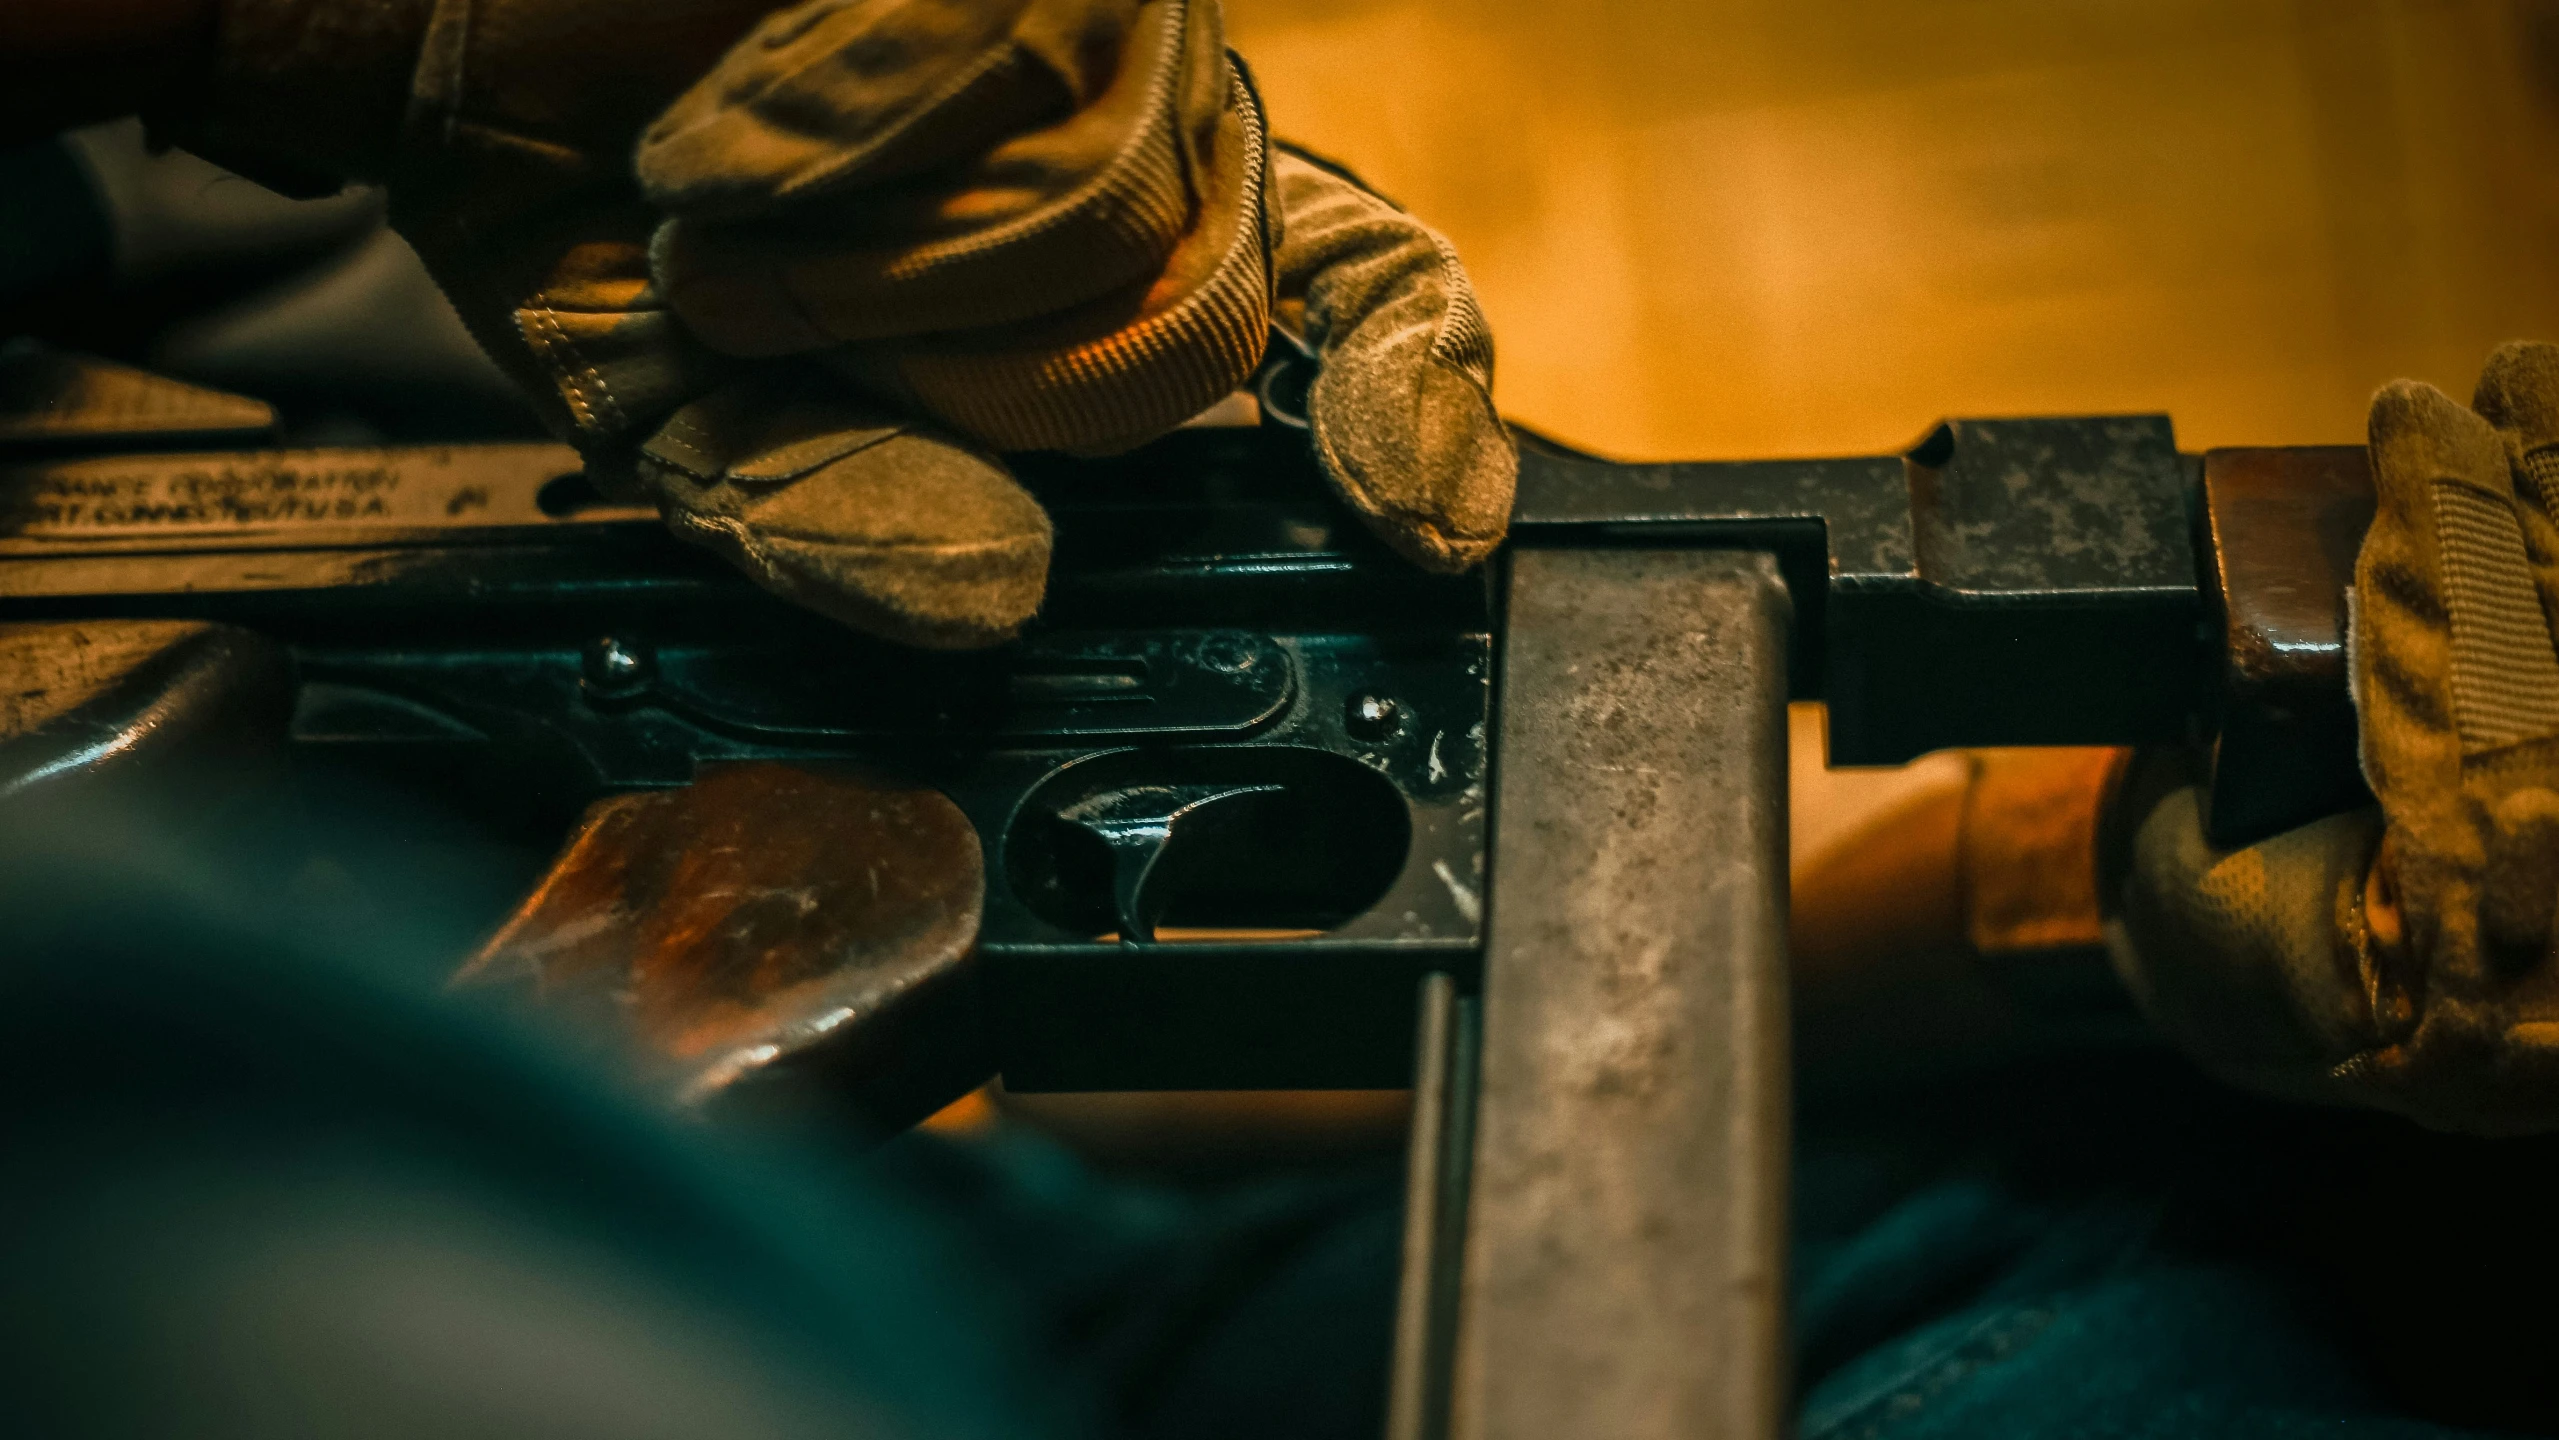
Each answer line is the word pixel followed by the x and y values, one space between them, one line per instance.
pixel 1195 336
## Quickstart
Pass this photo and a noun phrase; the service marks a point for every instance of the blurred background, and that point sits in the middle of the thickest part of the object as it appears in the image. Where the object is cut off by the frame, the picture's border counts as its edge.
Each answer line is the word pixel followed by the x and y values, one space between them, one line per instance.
pixel 1722 228
pixel 1705 228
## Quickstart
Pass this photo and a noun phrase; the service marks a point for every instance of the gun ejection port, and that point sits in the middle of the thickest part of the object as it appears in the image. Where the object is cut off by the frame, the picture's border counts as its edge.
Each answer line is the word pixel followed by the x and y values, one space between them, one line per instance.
pixel 1266 838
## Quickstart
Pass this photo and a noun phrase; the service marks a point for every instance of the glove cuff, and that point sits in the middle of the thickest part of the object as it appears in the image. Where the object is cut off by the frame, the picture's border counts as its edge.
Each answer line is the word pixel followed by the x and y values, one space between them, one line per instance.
pixel 1199 330
pixel 1055 216
pixel 302 96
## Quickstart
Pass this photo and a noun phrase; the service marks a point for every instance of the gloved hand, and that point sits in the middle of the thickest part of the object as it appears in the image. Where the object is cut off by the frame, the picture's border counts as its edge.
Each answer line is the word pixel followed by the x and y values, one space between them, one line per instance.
pixel 873 245
pixel 2402 959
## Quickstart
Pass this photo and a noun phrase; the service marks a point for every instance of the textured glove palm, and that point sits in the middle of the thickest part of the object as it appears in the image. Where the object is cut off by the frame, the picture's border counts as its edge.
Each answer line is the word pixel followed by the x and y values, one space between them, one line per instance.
pixel 867 248
pixel 2403 959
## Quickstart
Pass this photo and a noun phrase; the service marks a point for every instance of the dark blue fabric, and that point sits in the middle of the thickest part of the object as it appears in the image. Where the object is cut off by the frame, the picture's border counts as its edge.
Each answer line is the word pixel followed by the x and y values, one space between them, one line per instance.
pixel 1246 1308
pixel 2111 1247
pixel 2117 1247
pixel 200 1081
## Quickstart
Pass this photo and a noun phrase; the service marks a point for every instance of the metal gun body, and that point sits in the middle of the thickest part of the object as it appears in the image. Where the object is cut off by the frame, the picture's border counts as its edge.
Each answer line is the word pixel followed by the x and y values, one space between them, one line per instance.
pixel 1238 791
pixel 475 619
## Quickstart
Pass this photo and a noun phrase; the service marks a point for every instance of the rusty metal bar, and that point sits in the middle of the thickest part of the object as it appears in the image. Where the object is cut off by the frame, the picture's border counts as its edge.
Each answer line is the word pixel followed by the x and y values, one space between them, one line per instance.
pixel 1625 1226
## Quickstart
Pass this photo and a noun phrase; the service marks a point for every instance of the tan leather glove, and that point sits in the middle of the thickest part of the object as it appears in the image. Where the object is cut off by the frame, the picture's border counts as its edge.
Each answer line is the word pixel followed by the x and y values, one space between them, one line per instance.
pixel 2402 959
pixel 899 237
pixel 1082 284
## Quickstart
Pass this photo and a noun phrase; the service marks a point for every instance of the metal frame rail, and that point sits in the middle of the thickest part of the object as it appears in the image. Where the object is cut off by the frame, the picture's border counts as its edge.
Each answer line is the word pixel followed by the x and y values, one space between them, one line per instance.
pixel 1595 1237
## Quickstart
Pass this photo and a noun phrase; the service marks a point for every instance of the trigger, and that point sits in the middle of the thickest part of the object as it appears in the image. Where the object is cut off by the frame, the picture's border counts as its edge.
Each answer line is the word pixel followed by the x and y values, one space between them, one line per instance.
pixel 1139 824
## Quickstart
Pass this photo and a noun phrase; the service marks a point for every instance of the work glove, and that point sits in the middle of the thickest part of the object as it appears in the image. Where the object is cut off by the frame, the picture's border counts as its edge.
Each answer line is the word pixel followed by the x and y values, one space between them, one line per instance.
pixel 802 298
pixel 2401 957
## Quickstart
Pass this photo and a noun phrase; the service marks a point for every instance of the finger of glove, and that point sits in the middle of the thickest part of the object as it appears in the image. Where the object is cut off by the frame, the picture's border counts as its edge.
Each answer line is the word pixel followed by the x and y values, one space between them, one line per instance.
pixel 838 504
pixel 1053 216
pixel 567 307
pixel 1402 405
pixel 834 94
pixel 2235 954
pixel 2518 393
pixel 2246 959
pixel 2452 657
pixel 1126 367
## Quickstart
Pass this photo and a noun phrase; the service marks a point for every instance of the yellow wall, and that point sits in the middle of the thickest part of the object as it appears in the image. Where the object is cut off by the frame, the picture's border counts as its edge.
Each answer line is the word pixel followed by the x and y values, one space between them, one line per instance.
pixel 1735 227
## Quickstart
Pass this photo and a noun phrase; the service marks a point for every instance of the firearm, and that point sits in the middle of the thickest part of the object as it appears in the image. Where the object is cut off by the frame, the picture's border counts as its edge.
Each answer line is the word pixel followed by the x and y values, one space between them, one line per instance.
pixel 1255 803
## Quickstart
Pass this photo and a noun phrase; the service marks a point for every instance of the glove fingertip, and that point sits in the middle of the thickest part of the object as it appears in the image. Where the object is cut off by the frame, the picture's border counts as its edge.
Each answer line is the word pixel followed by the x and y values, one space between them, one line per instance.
pixel 2420 435
pixel 2519 390
pixel 1434 548
pixel 1430 467
pixel 2403 404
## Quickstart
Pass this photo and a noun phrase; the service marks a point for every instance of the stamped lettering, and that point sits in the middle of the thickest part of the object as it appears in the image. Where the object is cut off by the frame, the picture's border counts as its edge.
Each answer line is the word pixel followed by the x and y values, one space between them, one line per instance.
pixel 277 492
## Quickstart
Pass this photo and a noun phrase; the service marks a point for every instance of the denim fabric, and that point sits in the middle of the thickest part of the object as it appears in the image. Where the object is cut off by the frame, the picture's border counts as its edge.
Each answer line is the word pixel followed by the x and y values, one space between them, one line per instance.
pixel 2105 1247
pixel 261 1181
pixel 2110 1247
pixel 2118 1248
pixel 1246 1308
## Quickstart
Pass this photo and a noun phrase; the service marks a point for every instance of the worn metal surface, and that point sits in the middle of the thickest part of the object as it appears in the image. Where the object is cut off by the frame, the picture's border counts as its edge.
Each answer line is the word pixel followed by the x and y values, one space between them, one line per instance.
pixel 1625 1224
pixel 177 714
pixel 2012 509
pixel 2006 582
pixel 768 923
pixel 2281 530
pixel 477 623
pixel 50 398
pixel 242 502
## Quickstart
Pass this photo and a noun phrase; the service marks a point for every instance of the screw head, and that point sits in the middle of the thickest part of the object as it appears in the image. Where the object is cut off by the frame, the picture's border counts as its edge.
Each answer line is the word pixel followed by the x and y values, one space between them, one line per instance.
pixel 1370 716
pixel 616 667
pixel 1226 656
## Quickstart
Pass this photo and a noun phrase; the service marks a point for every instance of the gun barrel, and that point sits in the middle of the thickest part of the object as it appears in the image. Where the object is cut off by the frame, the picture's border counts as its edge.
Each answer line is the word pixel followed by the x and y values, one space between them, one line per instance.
pixel 2067 581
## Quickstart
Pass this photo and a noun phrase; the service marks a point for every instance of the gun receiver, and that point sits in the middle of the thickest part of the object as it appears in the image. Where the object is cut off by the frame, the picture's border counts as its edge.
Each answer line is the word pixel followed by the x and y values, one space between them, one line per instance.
pixel 1236 712
pixel 1239 715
